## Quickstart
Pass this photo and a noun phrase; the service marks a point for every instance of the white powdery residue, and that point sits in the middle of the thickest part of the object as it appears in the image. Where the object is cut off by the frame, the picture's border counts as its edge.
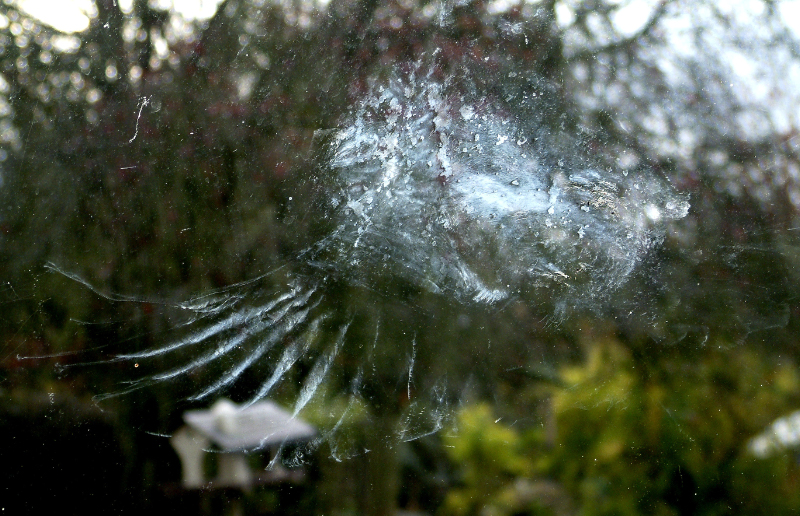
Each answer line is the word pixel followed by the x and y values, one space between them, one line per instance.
pixel 411 360
pixel 481 293
pixel 483 195
pixel 489 296
pixel 653 213
pixel 677 209
pixel 558 272
pixel 391 171
pixel 442 155
pixel 395 112
pixel 393 145
pixel 498 193
pixel 555 192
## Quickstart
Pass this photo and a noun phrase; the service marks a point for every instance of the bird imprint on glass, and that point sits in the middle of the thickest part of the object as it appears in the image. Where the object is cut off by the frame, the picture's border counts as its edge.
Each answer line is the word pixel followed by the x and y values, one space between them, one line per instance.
pixel 433 182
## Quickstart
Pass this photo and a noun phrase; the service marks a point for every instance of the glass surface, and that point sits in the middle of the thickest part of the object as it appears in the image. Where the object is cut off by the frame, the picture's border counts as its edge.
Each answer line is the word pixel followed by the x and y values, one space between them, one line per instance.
pixel 262 257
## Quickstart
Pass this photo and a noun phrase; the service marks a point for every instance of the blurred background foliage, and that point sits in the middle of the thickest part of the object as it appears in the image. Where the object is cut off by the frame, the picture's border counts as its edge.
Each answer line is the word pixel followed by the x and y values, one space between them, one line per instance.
pixel 156 158
pixel 627 437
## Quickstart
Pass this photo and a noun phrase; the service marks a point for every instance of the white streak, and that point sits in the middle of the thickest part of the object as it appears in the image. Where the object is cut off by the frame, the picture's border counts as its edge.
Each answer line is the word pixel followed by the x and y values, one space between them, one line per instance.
pixel 232 321
pixel 233 343
pixel 290 355
pixel 142 103
pixel 267 344
pixel 411 364
pixel 319 371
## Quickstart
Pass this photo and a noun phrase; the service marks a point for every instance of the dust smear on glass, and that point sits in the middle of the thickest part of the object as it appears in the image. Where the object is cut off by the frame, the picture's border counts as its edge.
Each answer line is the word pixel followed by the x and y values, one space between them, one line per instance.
pixel 444 186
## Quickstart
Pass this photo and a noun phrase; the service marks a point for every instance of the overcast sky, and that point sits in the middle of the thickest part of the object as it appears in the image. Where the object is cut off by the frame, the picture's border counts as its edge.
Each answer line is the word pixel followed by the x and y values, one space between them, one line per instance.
pixel 73 15
pixel 772 83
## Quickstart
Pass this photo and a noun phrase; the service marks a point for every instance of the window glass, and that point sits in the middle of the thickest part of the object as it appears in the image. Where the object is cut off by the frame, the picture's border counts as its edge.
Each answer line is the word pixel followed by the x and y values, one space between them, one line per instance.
pixel 360 257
